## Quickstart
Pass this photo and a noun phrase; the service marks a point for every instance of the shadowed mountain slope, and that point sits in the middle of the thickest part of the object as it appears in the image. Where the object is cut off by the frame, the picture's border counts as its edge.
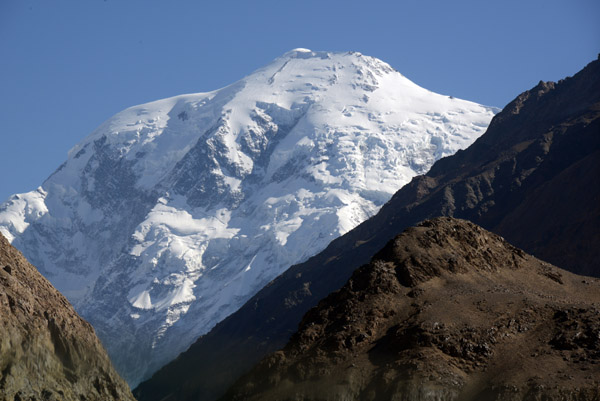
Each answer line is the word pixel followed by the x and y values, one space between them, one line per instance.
pixel 532 178
pixel 445 311
pixel 47 352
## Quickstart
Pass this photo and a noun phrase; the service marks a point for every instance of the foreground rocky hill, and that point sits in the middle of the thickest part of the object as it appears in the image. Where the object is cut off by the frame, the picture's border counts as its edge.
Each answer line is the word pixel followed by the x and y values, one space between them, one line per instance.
pixel 47 352
pixel 532 177
pixel 445 311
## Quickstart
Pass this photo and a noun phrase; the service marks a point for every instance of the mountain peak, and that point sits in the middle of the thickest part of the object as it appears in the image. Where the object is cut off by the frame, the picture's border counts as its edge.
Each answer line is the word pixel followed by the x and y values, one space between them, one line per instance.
pixel 532 178
pixel 171 214
pixel 301 52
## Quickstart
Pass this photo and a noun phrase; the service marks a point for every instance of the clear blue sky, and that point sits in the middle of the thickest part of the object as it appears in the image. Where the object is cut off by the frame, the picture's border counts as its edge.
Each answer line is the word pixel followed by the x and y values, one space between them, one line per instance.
pixel 68 65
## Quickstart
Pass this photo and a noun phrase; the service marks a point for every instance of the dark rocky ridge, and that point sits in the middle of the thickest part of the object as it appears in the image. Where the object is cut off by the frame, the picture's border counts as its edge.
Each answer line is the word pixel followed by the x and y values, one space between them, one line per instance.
pixel 47 352
pixel 532 178
pixel 445 311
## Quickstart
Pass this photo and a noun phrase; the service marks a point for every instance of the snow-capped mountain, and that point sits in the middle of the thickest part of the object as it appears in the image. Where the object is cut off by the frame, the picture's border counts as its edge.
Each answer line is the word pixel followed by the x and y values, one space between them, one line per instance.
pixel 171 214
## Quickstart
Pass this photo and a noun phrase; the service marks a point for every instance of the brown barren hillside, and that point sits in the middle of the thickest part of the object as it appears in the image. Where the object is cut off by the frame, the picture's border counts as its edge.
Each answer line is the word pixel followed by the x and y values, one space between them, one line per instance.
pixel 47 352
pixel 445 311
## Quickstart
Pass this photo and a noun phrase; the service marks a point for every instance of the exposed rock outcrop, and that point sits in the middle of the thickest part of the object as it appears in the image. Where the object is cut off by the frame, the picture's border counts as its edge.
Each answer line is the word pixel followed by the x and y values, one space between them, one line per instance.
pixel 47 352
pixel 445 311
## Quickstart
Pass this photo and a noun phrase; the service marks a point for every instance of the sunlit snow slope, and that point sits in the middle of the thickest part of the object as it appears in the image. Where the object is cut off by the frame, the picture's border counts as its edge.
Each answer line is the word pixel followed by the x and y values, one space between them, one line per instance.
pixel 173 213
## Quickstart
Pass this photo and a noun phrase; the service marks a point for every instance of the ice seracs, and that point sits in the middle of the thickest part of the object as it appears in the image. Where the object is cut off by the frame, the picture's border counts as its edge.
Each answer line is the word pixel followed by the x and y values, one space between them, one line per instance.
pixel 171 214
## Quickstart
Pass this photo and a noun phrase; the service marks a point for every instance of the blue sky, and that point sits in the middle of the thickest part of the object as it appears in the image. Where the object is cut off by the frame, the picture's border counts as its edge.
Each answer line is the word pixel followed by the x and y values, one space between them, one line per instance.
pixel 68 65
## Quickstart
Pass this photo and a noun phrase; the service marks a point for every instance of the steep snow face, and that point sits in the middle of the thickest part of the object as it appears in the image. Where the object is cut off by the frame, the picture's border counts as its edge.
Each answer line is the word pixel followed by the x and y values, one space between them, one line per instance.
pixel 171 214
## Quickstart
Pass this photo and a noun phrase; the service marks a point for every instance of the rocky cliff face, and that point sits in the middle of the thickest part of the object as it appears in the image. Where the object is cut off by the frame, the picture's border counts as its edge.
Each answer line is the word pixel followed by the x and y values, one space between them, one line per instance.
pixel 47 352
pixel 532 177
pixel 445 311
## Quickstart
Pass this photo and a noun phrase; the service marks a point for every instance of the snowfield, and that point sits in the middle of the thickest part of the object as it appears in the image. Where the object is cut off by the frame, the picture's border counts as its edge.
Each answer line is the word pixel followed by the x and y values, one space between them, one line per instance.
pixel 172 214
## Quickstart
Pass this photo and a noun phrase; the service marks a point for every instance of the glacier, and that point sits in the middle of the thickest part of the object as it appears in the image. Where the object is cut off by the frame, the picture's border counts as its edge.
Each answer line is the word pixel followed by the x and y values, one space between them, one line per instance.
pixel 171 214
